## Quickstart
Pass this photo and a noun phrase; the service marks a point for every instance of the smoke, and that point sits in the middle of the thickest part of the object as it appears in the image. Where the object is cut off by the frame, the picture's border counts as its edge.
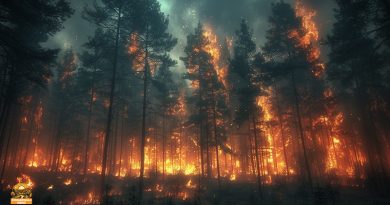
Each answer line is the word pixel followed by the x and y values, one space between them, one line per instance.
pixel 76 30
pixel 223 15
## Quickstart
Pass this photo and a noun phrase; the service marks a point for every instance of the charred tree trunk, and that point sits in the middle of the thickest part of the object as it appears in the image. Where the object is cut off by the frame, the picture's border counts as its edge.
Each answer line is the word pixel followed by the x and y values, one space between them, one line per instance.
pixel 163 144
pixel 300 128
pixel 114 144
pixel 143 131
pixel 31 118
pixel 7 105
pixel 208 158
pixel 251 149
pixel 257 156
pixel 17 154
pixel 155 144
pixel 275 159
pixel 57 145
pixel 216 138
pixel 87 137
pixel 4 122
pixel 280 120
pixel 172 147
pixel 7 145
pixel 110 112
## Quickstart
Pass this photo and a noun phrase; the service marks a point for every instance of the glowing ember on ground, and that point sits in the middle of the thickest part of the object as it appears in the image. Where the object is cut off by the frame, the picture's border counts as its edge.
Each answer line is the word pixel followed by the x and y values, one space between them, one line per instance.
pixel 68 182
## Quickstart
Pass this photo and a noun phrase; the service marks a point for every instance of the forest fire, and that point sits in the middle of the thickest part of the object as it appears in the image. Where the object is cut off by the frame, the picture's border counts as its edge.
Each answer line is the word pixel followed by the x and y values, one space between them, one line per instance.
pixel 147 111
pixel 214 49
pixel 310 37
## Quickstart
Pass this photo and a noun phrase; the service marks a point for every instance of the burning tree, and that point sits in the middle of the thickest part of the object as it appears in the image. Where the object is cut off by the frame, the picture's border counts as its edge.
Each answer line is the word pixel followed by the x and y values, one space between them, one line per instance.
pixel 247 88
pixel 167 95
pixel 290 61
pixel 24 61
pixel 153 43
pixel 206 77
pixel 115 15
pixel 355 69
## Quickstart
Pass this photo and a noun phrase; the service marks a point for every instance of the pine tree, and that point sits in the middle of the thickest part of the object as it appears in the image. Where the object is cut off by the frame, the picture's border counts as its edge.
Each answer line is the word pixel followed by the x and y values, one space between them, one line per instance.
pixel 247 88
pixel 24 61
pixel 198 64
pixel 355 70
pixel 167 97
pixel 287 63
pixel 116 19
pixel 63 103
pixel 154 42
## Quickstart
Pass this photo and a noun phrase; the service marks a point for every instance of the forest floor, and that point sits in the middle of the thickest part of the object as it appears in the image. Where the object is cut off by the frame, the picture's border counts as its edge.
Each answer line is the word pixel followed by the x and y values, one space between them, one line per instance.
pixel 65 188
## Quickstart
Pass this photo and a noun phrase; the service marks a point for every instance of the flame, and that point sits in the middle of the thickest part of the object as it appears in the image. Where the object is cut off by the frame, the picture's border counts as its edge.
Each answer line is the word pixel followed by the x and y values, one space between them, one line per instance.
pixel 68 182
pixel 25 179
pixel 232 177
pixel 182 144
pixel 137 54
pixel 310 37
pixel 214 49
pixel 159 188
pixel 90 198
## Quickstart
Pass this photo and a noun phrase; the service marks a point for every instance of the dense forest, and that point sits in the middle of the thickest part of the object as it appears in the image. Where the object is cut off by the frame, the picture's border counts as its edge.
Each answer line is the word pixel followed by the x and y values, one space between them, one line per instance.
pixel 301 118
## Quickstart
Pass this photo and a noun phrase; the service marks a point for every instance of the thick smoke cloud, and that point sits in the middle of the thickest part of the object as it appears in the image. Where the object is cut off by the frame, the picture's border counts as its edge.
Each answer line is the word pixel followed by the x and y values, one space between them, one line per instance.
pixel 223 15
pixel 76 29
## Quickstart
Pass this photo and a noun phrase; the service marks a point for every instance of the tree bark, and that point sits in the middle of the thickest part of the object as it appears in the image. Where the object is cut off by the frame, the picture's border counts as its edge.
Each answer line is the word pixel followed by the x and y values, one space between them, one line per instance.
pixel 216 138
pixel 300 128
pixel 90 110
pixel 110 112
pixel 257 156
pixel 143 134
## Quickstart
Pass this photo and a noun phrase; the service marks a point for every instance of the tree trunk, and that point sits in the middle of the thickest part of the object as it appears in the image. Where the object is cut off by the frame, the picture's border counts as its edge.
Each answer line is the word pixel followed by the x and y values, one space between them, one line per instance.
pixel 114 144
pixel 208 158
pixel 275 159
pixel 10 133
pixel 17 154
pixel 103 196
pixel 172 144
pixel 121 146
pixel 31 118
pixel 90 110
pixel 300 128
pixel 251 150
pixel 257 156
pixel 155 144
pixel 143 134
pixel 280 120
pixel 216 138
pixel 163 144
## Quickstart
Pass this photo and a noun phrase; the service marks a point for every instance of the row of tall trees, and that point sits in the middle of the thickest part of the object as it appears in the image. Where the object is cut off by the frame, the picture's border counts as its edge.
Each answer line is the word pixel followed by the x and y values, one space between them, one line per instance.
pixel 104 78
pixel 353 83
pixel 25 63
pixel 207 100
pixel 307 95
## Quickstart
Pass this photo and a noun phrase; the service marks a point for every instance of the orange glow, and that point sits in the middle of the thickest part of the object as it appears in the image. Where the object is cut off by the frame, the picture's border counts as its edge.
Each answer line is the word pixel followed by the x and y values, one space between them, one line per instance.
pixel 137 55
pixel 68 182
pixel 25 179
pixel 214 49
pixel 310 37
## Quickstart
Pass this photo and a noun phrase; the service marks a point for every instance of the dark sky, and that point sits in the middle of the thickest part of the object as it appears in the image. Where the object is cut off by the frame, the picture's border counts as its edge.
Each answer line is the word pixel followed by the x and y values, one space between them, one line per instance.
pixel 223 15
